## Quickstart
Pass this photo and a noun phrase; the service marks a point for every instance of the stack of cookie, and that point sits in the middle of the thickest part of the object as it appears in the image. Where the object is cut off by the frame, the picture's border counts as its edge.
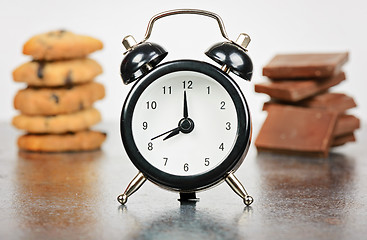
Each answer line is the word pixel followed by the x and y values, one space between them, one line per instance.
pixel 56 108
pixel 303 116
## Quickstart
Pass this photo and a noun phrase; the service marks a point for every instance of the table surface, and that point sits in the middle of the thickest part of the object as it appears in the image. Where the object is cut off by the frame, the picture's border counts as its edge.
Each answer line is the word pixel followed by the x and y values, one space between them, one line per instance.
pixel 73 196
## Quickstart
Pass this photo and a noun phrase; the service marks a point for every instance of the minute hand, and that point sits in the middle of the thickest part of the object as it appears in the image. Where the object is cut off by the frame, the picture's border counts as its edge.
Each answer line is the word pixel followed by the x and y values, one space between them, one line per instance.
pixel 178 129
pixel 185 111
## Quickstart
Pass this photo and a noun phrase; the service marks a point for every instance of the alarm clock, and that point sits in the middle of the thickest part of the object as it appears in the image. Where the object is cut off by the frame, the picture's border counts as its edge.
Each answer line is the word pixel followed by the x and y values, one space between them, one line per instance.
pixel 185 124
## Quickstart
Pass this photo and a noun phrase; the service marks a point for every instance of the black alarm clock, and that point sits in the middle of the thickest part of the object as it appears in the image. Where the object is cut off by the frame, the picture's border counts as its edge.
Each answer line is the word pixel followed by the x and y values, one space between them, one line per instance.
pixel 185 124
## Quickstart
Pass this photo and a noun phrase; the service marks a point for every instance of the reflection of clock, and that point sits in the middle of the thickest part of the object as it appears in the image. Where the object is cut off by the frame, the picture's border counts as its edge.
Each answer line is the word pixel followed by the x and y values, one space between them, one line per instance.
pixel 186 222
pixel 185 124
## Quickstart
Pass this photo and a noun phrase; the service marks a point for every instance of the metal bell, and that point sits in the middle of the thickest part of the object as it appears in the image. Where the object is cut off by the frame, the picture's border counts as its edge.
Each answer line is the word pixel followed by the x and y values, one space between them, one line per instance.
pixel 139 59
pixel 233 57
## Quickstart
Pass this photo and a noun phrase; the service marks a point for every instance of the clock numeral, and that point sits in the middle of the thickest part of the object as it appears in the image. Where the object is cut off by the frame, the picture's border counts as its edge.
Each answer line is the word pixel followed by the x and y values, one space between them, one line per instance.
pixel 165 161
pixel 221 146
pixel 167 90
pixel 222 105
pixel 186 167
pixel 150 146
pixel 151 105
pixel 145 125
pixel 208 88
pixel 187 84
pixel 228 126
pixel 206 162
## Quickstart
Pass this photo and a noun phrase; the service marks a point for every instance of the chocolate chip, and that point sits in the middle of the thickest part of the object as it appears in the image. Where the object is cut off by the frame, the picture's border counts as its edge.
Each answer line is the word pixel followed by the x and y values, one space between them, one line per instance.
pixel 81 105
pixel 41 66
pixel 55 98
pixel 68 80
pixel 58 33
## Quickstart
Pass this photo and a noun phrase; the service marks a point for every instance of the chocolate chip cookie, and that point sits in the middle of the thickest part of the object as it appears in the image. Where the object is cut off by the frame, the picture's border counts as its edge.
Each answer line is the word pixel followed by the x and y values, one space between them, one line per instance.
pixel 64 123
pixel 68 142
pixel 58 73
pixel 61 44
pixel 53 101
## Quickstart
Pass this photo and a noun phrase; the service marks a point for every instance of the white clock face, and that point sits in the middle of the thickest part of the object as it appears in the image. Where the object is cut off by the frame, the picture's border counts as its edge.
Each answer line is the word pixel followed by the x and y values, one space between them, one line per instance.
pixel 185 123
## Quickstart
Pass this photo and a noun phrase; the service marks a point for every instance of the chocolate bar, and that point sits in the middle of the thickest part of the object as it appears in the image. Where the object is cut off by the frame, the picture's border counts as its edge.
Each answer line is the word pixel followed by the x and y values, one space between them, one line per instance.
pixel 294 91
pixel 296 130
pixel 331 101
pixel 346 124
pixel 321 65
pixel 341 140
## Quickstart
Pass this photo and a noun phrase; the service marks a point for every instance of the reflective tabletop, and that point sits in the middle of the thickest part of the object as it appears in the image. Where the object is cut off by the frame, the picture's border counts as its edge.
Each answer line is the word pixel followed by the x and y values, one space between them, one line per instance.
pixel 73 196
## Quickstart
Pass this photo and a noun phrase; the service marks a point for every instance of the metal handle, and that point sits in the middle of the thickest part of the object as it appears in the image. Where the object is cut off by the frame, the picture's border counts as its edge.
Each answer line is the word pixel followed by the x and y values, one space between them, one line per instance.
pixel 185 11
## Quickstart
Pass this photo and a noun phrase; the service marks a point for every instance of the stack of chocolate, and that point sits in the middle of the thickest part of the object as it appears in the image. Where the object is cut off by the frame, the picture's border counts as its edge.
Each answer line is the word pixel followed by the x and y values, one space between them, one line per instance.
pixel 56 106
pixel 304 117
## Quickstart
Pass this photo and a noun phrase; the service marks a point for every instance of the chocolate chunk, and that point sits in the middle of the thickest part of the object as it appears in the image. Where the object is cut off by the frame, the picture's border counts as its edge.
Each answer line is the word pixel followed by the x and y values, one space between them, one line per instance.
pixel 55 98
pixel 60 33
pixel 57 34
pixel 296 130
pixel 294 91
pixel 41 66
pixel 330 101
pixel 346 124
pixel 290 66
pixel 341 140
pixel 81 105
pixel 68 80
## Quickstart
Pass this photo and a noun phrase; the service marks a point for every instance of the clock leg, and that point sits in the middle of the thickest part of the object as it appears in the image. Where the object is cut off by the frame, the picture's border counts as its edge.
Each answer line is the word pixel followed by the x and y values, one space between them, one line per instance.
pixel 238 188
pixel 134 185
pixel 188 197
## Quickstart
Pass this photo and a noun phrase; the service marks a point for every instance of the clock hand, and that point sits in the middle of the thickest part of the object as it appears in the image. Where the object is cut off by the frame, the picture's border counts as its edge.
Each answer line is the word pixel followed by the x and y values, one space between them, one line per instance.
pixel 177 130
pixel 185 111
pixel 172 130
pixel 173 133
pixel 185 125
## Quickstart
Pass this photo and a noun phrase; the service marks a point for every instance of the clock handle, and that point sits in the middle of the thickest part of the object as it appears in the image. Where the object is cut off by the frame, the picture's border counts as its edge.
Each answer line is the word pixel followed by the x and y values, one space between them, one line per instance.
pixel 134 185
pixel 238 188
pixel 185 11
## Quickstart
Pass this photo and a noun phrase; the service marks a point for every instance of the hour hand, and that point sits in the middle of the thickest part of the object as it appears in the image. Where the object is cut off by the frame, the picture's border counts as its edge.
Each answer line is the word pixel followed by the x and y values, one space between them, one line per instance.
pixel 186 125
pixel 170 131
pixel 173 133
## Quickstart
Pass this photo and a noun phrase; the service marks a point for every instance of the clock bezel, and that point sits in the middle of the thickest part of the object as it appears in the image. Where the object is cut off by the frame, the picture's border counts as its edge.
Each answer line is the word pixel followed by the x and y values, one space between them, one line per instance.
pixel 198 181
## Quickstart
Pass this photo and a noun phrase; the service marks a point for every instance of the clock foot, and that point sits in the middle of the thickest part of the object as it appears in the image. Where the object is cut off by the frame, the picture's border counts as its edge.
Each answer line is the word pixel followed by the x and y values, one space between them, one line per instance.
pixel 188 197
pixel 238 188
pixel 134 185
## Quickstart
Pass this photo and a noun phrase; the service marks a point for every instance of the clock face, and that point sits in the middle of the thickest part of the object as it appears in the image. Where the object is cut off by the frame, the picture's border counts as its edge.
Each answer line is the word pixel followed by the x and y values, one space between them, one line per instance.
pixel 211 120
pixel 186 125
